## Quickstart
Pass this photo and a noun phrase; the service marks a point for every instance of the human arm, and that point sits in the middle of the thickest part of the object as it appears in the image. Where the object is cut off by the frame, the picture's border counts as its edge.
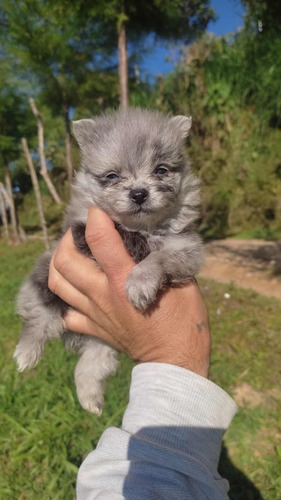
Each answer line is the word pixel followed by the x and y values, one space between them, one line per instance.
pixel 169 443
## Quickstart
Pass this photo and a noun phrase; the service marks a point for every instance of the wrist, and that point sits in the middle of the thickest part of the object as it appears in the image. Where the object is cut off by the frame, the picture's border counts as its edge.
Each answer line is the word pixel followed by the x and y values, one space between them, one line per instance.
pixel 200 367
pixel 191 351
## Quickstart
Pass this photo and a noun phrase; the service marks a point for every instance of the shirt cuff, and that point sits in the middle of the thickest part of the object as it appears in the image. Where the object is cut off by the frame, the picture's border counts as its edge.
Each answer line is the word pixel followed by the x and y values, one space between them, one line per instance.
pixel 191 412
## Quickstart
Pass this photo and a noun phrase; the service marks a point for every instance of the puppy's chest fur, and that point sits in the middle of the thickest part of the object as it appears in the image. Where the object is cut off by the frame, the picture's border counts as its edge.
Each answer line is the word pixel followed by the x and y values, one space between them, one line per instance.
pixel 138 245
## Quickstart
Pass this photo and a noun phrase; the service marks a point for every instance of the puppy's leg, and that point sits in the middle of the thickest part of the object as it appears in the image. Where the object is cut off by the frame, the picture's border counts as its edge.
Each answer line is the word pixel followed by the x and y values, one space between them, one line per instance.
pixel 40 324
pixel 41 312
pixel 179 259
pixel 97 363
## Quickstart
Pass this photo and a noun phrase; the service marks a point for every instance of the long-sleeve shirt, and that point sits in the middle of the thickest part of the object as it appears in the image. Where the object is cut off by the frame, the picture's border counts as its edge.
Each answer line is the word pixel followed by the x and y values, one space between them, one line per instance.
pixel 169 444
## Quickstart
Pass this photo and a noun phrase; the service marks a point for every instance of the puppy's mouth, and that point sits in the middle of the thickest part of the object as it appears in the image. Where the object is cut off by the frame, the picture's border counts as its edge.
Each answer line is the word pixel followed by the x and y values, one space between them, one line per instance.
pixel 141 211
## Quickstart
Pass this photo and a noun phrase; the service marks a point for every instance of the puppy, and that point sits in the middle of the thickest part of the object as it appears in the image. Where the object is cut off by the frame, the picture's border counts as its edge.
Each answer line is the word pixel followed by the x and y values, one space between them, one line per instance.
pixel 134 167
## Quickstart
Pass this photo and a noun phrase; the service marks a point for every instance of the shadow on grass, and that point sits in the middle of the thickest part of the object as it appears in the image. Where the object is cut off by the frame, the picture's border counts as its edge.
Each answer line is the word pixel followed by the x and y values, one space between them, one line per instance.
pixel 241 487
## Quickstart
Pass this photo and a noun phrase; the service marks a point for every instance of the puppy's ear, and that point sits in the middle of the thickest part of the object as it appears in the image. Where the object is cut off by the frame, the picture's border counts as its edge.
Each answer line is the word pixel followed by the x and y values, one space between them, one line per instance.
pixel 183 124
pixel 84 131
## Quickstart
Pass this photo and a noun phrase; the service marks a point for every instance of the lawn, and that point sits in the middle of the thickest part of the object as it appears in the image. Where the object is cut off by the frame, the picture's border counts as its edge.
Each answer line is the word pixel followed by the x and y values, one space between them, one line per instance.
pixel 45 434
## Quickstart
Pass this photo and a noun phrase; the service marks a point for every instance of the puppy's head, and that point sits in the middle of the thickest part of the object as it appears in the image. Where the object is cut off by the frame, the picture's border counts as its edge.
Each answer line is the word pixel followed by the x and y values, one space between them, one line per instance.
pixel 133 164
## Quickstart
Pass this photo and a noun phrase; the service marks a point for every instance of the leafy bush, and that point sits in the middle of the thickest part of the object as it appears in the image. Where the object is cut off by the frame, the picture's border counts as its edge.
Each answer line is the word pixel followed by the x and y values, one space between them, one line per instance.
pixel 231 88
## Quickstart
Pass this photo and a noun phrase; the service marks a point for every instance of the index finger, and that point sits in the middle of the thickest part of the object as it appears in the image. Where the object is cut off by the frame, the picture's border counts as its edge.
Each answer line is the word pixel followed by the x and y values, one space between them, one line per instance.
pixel 77 269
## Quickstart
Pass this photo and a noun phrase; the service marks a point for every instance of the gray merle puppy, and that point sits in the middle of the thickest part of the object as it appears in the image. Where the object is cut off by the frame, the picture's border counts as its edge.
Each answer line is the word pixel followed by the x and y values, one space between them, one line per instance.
pixel 134 167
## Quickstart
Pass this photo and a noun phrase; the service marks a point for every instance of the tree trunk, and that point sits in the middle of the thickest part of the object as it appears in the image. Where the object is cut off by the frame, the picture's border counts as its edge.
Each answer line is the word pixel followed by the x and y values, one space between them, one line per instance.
pixel 69 164
pixel 12 205
pixel 3 212
pixel 37 192
pixel 43 171
pixel 123 65
pixel 23 235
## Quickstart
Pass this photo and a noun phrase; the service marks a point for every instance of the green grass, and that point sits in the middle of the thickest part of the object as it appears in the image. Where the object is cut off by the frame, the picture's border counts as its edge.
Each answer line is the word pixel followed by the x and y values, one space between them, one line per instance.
pixel 45 434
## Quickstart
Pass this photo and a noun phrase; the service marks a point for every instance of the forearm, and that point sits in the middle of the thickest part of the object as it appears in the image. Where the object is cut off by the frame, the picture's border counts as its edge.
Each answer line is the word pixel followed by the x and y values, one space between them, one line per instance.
pixel 169 444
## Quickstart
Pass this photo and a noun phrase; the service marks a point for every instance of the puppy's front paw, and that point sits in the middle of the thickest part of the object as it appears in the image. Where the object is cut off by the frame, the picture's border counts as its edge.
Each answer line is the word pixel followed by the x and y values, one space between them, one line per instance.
pixel 143 285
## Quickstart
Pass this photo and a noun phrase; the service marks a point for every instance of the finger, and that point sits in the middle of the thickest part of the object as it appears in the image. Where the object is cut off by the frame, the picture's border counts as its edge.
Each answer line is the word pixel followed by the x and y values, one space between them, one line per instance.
pixel 77 269
pixel 80 323
pixel 95 307
pixel 107 246
pixel 66 291
pixel 88 295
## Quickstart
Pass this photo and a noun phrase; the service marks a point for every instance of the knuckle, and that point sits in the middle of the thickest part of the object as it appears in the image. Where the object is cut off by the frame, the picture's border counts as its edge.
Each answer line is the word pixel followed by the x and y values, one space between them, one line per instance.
pixel 53 283
pixel 95 236
pixel 61 262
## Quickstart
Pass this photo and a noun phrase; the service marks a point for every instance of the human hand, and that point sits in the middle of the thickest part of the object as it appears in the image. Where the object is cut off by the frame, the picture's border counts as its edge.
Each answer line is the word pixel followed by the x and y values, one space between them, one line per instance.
pixel 174 331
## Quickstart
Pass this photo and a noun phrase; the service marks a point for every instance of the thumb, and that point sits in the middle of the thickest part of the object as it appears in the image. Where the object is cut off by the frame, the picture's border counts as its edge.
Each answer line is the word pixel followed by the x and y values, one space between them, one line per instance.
pixel 107 245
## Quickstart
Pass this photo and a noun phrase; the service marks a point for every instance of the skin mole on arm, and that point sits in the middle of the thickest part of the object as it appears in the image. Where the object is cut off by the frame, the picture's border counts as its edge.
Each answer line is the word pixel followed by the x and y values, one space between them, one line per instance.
pixel 201 326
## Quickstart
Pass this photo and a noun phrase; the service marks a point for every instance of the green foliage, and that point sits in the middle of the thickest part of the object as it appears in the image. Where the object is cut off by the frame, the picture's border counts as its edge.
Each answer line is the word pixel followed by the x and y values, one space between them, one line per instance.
pixel 229 85
pixel 15 118
pixel 267 12
pixel 28 212
pixel 165 19
pixel 62 45
pixel 218 101
pixel 235 142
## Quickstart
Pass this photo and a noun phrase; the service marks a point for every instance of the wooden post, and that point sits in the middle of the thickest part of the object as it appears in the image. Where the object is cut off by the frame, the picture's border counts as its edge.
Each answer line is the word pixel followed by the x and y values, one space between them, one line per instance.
pixel 69 164
pixel 12 205
pixel 3 212
pixel 43 171
pixel 23 235
pixel 123 65
pixel 37 192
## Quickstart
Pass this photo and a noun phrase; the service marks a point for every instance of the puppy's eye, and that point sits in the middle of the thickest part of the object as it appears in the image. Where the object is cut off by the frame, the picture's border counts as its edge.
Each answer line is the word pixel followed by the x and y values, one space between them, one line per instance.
pixel 112 176
pixel 161 170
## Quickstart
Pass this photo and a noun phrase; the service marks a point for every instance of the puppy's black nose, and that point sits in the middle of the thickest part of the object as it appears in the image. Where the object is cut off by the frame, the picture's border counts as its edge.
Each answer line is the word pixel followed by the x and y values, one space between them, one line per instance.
pixel 138 195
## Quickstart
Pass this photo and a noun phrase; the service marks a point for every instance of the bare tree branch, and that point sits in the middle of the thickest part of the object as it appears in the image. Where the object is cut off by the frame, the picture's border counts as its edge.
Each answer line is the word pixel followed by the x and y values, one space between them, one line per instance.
pixel 37 192
pixel 11 204
pixel 3 211
pixel 43 171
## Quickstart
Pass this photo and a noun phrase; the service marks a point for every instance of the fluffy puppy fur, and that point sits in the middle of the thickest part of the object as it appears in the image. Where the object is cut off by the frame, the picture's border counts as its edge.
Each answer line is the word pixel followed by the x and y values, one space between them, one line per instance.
pixel 135 168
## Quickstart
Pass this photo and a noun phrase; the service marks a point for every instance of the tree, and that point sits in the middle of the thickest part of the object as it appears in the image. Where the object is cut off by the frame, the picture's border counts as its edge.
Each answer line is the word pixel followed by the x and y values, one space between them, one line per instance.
pixel 4 200
pixel 259 44
pixel 13 122
pixel 133 20
pixel 266 15
pixel 60 46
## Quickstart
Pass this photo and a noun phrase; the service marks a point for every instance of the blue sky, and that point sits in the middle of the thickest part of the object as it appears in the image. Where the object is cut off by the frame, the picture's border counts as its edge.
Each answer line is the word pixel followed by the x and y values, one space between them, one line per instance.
pixel 230 18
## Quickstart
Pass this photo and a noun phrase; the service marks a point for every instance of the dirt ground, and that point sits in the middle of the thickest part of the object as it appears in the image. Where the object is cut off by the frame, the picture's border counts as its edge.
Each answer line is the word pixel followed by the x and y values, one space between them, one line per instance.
pixel 254 264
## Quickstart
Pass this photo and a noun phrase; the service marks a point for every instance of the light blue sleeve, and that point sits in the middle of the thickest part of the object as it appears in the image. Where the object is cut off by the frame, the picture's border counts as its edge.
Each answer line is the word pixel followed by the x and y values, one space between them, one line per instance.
pixel 169 444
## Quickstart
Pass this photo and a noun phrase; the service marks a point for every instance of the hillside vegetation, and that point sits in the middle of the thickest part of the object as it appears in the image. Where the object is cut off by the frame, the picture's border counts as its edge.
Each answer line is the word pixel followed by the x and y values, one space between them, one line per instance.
pixel 230 85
